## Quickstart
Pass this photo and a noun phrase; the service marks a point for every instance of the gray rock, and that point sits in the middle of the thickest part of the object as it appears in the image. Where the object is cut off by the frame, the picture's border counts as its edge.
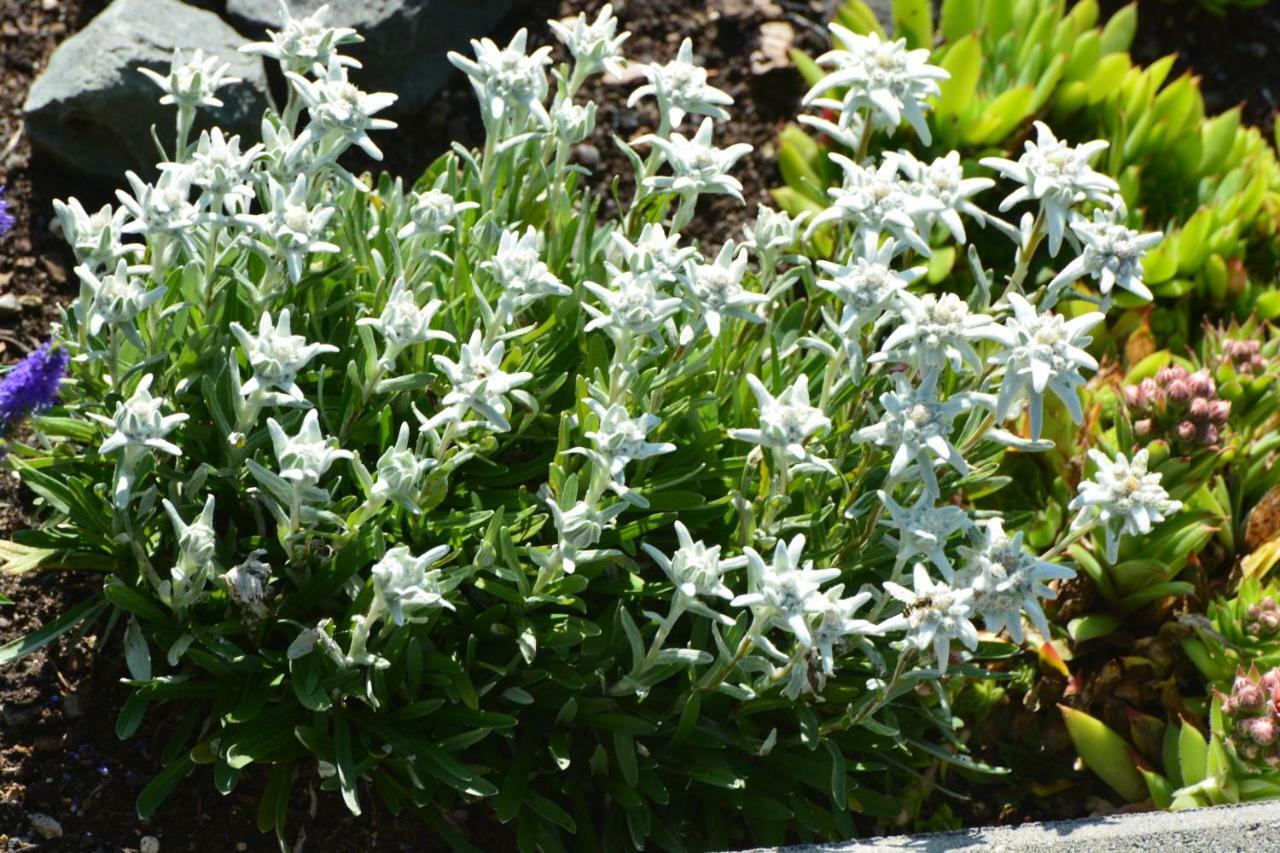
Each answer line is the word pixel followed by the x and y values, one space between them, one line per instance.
pixel 10 306
pixel 405 41
pixel 45 826
pixel 93 111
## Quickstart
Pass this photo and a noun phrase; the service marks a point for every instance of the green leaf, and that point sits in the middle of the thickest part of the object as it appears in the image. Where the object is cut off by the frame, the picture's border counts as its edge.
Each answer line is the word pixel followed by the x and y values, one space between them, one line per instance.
pixel 1118 33
pixel 1085 628
pixel 913 19
pixel 17 649
pixel 159 788
pixel 1193 755
pixel 343 761
pixel 1105 753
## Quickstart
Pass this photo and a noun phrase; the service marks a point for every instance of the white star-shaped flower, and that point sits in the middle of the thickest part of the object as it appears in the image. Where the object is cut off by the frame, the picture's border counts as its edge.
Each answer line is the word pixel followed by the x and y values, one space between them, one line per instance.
pixel 783 591
pixel 406 588
pixel 1058 175
pixel 697 166
pixel 1123 497
pixel 681 88
pixel 276 356
pixel 786 422
pixel 935 615
pixel 1043 352
pixel 1007 581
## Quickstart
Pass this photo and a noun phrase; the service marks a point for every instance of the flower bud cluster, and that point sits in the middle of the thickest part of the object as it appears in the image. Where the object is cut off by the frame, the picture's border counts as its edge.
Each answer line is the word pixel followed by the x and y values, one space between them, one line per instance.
pixel 1253 709
pixel 1263 619
pixel 1180 406
pixel 1245 356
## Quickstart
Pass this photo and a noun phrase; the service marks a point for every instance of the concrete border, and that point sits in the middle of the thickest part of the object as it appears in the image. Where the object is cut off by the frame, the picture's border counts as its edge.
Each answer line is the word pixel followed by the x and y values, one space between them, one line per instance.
pixel 1253 827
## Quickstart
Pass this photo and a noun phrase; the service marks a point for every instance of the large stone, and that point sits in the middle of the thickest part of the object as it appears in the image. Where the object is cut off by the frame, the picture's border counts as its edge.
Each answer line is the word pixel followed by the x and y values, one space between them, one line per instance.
pixel 405 41
pixel 93 110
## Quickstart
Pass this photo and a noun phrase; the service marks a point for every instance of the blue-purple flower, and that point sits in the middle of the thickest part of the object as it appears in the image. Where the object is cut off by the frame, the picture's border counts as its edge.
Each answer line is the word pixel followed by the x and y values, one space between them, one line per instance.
pixel 32 385
pixel 6 218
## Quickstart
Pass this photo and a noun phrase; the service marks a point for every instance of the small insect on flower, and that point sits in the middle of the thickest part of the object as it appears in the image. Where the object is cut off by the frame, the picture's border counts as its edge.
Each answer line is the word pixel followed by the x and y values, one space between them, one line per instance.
pixel 32 385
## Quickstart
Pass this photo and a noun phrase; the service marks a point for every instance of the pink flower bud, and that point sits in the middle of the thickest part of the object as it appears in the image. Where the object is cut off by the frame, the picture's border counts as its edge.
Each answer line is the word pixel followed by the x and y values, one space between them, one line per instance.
pixel 1209 437
pixel 1149 392
pixel 1268 603
pixel 1199 408
pixel 1254 629
pixel 1172 373
pixel 1202 384
pixel 1178 390
pixel 1253 612
pixel 1130 393
pixel 1187 431
pixel 1262 730
pixel 1142 427
pixel 1248 694
pixel 1219 411
pixel 1269 621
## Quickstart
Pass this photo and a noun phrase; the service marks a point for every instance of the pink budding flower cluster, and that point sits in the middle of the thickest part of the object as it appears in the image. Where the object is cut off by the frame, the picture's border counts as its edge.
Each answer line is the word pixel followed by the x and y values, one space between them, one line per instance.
pixel 1253 711
pixel 1264 618
pixel 1181 406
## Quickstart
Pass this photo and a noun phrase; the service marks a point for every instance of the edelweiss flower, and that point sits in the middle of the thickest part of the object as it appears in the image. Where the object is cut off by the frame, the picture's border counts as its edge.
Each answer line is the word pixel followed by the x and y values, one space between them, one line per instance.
pixel 479 384
pixel 935 615
pixel 403 324
pixel 1043 351
pixel 579 526
pixel 1111 254
pixel 923 529
pixel 594 46
pixel 197 543
pixel 1058 175
pixel 877 201
pixel 303 43
pixel 306 456
pixel 406 588
pixel 95 238
pixel 868 286
pixel 936 330
pixel 656 252
pixel 786 422
pixel 1123 497
pixel 339 110
pixel 1006 581
pixel 518 268
pixel 695 568
pixel 510 84
pixel 400 474
pixel 117 299
pixel 293 228
pixel 882 78
pixel 619 440
pixel 431 215
pixel 783 592
pixel 831 623
pixel 681 88
pixel 138 427
pixel 773 231
pixel 191 85
pixel 162 210
pixel 716 290
pixel 942 181
pixel 573 122
pixel 223 171
pixel 633 305
pixel 697 166
pixel 276 356
pixel 917 426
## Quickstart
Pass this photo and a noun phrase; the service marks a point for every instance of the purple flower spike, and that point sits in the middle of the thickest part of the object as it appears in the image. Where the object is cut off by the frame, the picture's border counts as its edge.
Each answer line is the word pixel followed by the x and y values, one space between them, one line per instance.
pixel 6 218
pixel 32 385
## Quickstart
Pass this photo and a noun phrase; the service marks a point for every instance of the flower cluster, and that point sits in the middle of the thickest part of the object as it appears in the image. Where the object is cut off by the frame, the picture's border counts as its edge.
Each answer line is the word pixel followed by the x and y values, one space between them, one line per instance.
pixel 1253 710
pixel 32 385
pixel 1180 406
pixel 395 463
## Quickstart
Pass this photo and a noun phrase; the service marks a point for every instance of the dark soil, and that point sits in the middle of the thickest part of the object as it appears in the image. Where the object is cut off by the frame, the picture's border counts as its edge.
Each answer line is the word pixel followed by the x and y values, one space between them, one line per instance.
pixel 1235 52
